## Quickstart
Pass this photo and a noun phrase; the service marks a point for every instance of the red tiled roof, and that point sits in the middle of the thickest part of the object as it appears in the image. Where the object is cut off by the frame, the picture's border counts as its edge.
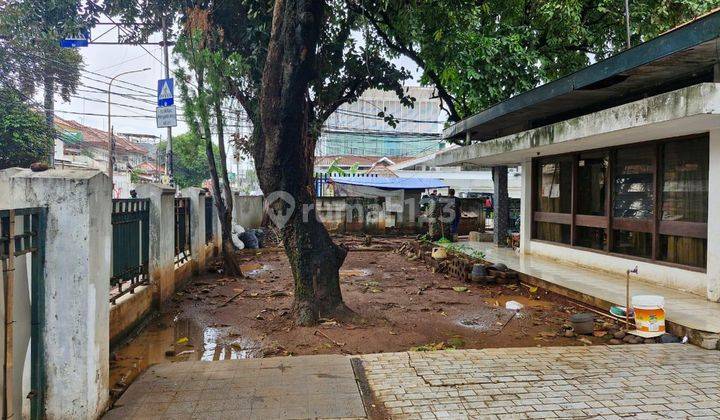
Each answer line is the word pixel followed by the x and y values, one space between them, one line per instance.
pixel 98 138
pixel 149 167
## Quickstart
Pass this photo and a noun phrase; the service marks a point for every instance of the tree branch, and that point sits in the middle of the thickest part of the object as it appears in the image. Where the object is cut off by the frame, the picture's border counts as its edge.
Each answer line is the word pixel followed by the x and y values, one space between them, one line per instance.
pixel 406 50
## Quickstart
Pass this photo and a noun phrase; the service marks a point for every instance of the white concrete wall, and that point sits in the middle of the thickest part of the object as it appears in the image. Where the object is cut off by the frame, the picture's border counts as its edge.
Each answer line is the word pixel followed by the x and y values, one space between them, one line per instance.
pixel 197 226
pixel 248 210
pixel 690 110
pixel 713 241
pixel 162 238
pixel 672 277
pixel 76 280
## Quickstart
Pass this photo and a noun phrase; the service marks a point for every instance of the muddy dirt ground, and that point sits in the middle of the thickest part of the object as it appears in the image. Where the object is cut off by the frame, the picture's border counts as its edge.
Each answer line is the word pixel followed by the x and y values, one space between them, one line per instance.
pixel 399 304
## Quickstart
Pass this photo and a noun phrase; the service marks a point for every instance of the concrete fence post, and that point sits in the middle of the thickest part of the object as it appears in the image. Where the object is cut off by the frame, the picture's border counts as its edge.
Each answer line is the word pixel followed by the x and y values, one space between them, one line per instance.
pixel 197 226
pixel 77 270
pixel 162 238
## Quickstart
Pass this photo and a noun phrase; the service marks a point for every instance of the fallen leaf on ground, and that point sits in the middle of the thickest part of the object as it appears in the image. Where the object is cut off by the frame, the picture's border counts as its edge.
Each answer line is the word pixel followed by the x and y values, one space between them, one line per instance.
pixel 429 347
pixel 585 340
pixel 460 289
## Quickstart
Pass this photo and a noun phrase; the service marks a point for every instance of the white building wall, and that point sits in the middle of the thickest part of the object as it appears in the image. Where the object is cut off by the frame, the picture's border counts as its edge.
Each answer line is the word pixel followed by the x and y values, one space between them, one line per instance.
pixel 700 283
pixel 713 241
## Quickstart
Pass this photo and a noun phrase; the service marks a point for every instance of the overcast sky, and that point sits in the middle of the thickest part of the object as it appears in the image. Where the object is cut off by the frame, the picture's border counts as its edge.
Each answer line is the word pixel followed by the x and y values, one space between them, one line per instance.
pixel 110 60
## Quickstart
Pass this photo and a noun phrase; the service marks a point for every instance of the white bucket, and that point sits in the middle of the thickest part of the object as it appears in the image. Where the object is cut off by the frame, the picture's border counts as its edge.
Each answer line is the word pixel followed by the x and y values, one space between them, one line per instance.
pixel 649 313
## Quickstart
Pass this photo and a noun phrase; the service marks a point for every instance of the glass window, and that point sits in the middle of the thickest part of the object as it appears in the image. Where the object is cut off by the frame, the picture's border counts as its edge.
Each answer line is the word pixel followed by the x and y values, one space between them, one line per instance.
pixel 682 250
pixel 590 237
pixel 685 181
pixel 554 186
pixel 633 182
pixel 591 184
pixel 638 244
pixel 553 232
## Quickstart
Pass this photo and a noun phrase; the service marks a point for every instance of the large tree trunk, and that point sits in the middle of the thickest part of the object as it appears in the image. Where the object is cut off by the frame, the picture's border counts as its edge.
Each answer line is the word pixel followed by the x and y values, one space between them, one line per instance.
pixel 284 158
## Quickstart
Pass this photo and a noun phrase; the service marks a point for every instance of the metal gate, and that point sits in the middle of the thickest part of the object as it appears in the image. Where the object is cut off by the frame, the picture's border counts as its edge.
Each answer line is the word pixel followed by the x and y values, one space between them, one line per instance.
pixel 22 256
pixel 182 230
pixel 208 219
pixel 130 249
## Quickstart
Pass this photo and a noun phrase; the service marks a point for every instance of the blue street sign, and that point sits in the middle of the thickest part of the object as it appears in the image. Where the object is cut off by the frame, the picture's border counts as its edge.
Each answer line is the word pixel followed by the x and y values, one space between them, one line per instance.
pixel 81 39
pixel 165 94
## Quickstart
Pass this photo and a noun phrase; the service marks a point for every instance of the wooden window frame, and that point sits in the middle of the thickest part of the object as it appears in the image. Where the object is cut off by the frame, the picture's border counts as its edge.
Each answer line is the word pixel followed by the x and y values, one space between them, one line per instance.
pixel 653 225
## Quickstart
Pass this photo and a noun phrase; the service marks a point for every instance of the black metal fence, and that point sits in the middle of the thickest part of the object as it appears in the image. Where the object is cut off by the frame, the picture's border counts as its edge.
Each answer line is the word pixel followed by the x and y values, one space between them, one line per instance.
pixel 182 230
pixel 22 240
pixel 208 219
pixel 131 245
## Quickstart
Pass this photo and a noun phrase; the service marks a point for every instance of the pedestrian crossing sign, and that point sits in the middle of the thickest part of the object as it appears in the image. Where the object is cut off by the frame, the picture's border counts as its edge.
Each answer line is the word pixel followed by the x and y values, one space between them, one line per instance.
pixel 165 94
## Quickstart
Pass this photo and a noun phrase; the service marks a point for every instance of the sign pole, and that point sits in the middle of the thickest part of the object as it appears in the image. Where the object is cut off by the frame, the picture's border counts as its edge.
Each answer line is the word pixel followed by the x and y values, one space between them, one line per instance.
pixel 168 147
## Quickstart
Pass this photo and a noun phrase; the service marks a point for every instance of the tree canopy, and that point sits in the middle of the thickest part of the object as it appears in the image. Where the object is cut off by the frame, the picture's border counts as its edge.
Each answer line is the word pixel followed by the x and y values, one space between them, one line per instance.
pixel 24 137
pixel 190 164
pixel 30 53
pixel 479 53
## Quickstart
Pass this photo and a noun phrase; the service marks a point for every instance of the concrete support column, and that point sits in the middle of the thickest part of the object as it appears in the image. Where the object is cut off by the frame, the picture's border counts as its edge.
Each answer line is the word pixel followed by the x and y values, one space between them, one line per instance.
pixel 197 226
pixel 501 206
pixel 525 207
pixel 713 237
pixel 162 238
pixel 77 270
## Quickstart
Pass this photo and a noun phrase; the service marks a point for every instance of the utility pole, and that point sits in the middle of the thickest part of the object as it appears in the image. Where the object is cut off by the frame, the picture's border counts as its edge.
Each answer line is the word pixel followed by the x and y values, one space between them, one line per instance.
pixel 168 147
pixel 627 22
pixel 111 143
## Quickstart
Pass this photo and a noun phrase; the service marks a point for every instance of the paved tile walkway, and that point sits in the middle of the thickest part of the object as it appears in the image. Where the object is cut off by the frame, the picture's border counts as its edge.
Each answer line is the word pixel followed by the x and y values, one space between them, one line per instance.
pixel 642 381
pixel 275 388
pixel 683 308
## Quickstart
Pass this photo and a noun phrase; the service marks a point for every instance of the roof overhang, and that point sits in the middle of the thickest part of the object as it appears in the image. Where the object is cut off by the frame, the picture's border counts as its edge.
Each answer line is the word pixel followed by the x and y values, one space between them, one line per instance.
pixel 691 110
pixel 678 58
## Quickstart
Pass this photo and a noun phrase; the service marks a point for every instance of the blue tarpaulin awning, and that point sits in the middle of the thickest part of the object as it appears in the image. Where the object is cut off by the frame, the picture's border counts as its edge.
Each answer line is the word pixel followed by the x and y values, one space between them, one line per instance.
pixel 391 183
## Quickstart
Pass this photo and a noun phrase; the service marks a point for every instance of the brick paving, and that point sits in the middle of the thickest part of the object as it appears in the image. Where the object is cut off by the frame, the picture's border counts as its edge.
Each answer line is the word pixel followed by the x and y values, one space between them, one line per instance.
pixel 640 381
pixel 275 388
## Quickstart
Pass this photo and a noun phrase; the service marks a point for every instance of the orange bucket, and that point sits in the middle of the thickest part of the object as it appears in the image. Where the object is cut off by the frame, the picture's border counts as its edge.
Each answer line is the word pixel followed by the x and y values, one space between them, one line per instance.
pixel 649 313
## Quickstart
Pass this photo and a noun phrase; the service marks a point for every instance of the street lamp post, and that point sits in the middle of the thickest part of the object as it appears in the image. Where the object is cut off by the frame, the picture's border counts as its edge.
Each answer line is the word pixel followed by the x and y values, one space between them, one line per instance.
pixel 111 144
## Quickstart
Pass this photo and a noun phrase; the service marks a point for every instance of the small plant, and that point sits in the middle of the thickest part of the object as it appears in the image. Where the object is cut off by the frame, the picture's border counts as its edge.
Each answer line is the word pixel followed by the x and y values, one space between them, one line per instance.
pixel 464 249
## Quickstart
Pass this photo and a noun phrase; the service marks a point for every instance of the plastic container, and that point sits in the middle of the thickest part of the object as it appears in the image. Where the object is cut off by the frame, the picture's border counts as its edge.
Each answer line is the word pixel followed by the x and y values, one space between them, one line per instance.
pixel 583 323
pixel 649 313
pixel 478 272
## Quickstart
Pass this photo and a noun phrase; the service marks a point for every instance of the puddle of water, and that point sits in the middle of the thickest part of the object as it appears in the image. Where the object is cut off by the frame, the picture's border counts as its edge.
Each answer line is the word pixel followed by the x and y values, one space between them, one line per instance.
pixel 220 344
pixel 490 320
pixel 252 268
pixel 167 340
pixel 526 302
